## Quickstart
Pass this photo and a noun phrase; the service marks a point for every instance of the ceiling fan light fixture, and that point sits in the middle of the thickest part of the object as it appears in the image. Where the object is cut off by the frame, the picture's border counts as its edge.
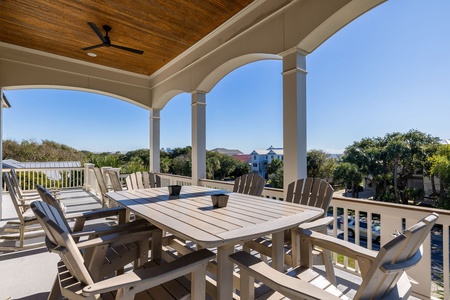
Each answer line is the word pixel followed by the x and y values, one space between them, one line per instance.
pixel 92 54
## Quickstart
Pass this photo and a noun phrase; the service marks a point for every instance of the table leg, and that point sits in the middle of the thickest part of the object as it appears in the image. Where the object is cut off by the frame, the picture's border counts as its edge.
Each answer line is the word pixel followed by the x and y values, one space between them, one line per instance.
pixel 224 273
pixel 278 251
pixel 156 244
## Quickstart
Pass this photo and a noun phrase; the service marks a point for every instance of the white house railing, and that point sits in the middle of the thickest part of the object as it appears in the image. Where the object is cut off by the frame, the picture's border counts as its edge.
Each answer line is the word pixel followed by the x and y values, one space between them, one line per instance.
pixel 55 177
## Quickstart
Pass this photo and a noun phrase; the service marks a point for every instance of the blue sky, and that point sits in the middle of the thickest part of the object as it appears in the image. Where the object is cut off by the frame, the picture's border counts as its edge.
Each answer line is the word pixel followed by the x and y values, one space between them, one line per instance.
pixel 387 71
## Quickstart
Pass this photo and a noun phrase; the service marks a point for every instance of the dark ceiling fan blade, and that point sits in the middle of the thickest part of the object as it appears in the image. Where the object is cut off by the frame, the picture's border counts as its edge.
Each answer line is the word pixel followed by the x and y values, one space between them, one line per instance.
pixel 98 32
pixel 128 49
pixel 93 47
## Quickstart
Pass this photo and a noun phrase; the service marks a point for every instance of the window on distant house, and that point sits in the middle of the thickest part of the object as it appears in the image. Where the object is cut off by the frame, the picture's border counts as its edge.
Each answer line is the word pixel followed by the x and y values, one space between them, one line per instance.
pixel 271 156
pixel 255 165
pixel 267 157
pixel 254 157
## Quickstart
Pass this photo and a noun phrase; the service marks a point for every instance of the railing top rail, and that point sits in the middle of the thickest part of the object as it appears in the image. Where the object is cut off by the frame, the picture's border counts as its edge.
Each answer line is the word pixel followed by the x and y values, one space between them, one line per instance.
pixel 40 169
pixel 379 205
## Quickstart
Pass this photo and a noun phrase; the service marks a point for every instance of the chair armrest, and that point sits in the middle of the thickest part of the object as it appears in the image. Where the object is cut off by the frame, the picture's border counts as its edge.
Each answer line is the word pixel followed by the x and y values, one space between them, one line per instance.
pixel 119 238
pixel 106 230
pixel 101 213
pixel 142 279
pixel 30 197
pixel 337 245
pixel 317 225
pixel 364 256
pixel 290 287
pixel 81 218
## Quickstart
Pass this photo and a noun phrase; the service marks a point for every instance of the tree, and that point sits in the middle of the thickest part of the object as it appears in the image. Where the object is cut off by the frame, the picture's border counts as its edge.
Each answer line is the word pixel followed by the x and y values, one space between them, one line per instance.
pixel 367 154
pixel 212 165
pixel 349 174
pixel 30 150
pixel 275 173
pixel 142 154
pixel 407 152
pixel 392 160
pixel 319 164
pixel 440 167
pixel 182 165
pixel 164 164
pixel 274 166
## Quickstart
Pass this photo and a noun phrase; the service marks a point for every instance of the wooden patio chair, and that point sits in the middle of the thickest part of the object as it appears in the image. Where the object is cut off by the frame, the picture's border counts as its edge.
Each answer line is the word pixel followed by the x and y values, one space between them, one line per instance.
pixel 115 180
pixel 306 191
pixel 383 273
pixel 27 195
pixel 25 228
pixel 102 186
pixel 81 218
pixel 85 278
pixel 250 184
pixel 142 180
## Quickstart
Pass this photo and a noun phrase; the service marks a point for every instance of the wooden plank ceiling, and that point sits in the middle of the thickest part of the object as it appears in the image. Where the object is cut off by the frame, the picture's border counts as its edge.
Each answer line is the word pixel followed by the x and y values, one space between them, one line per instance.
pixel 163 29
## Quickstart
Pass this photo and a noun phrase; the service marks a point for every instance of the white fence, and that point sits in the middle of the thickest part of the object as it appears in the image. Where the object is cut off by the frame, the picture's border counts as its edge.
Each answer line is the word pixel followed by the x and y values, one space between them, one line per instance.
pixel 51 178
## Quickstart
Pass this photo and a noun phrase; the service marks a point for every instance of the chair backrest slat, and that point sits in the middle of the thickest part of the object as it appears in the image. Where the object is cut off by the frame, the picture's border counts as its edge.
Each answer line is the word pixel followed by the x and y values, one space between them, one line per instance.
pixel 140 184
pixel 100 180
pixel 115 181
pixel 298 187
pixel 128 182
pixel 306 192
pixel 155 180
pixel 146 179
pixel 134 181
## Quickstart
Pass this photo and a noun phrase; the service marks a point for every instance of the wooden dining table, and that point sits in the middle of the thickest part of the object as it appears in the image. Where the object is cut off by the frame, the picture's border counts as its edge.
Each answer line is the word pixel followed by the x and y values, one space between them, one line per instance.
pixel 191 216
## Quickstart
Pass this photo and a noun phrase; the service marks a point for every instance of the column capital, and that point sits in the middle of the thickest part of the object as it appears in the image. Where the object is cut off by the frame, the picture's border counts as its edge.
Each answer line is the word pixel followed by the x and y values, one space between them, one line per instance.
pixel 198 98
pixel 199 92
pixel 294 50
pixel 294 60
pixel 155 114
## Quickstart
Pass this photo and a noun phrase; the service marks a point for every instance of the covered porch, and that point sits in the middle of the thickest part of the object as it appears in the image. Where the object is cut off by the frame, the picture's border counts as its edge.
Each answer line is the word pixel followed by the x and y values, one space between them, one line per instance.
pixel 256 30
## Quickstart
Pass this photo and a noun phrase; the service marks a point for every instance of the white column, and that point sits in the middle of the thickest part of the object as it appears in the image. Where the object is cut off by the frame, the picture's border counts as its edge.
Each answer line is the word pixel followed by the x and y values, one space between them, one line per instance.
pixel 1 153
pixel 155 137
pixel 294 115
pixel 198 136
pixel 88 176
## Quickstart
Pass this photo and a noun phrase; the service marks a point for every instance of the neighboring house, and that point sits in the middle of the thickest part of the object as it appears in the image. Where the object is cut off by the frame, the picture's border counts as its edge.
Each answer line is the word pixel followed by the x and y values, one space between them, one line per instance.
pixel 53 175
pixel 245 158
pixel 260 158
pixel 229 152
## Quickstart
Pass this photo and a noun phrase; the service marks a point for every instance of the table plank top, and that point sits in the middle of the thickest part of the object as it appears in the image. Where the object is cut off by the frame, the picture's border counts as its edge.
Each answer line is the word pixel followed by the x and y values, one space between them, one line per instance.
pixel 192 216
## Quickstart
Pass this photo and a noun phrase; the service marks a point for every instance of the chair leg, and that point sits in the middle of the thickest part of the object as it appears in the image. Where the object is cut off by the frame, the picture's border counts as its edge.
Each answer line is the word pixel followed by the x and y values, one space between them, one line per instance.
pixel 55 292
pixel 329 268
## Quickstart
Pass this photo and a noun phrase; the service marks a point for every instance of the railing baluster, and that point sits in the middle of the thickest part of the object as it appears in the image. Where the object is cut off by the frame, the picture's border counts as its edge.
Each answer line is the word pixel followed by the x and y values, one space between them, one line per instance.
pixel 446 260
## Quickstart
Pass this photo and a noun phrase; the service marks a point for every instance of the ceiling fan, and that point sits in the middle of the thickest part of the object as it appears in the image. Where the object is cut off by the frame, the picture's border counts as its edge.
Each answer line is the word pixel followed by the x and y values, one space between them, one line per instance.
pixel 106 42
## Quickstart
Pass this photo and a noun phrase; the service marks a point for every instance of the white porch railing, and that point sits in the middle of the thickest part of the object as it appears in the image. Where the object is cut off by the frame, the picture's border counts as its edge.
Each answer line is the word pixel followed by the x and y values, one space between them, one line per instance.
pixel 51 178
